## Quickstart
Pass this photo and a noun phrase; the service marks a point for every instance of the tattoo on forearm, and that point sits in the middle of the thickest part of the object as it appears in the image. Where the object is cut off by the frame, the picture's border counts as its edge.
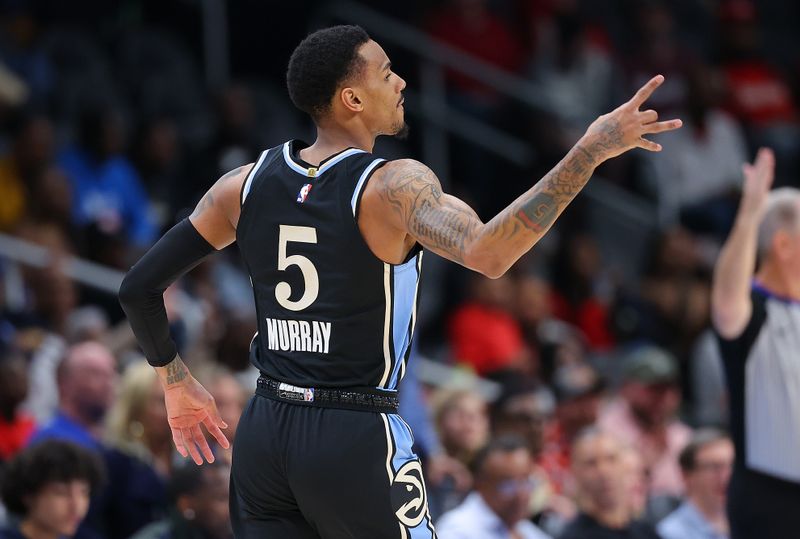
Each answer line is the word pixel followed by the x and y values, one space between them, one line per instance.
pixel 176 371
pixel 449 226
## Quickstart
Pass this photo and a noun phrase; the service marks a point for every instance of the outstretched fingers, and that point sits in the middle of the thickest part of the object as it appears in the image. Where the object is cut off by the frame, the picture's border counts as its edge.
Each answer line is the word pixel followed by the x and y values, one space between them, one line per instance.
pixel 202 443
pixel 189 442
pixel 648 145
pixel 177 439
pixel 213 425
pixel 660 127
pixel 646 91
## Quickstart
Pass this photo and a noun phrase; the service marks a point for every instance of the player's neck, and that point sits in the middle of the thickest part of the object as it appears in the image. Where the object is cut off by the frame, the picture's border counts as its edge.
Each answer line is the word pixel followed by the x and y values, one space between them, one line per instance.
pixel 331 140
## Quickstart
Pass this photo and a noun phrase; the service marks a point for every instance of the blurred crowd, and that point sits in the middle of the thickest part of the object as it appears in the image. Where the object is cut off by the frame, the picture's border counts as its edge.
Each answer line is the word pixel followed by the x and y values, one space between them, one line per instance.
pixel 581 398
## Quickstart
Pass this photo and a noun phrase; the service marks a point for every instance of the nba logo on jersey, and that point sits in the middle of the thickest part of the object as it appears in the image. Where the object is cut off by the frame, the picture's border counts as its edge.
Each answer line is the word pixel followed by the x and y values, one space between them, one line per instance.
pixel 308 394
pixel 303 194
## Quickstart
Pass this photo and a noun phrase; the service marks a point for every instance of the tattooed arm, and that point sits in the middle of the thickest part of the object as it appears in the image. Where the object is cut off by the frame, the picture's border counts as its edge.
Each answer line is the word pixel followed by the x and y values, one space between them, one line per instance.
pixel 450 228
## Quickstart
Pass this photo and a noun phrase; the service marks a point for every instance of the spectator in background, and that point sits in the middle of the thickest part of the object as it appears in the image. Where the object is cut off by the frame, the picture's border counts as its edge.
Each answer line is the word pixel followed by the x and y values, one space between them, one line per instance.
pixel 670 307
pixel 137 421
pixel 86 379
pixel 758 93
pixel 698 176
pixel 604 491
pixel 578 391
pixel 484 333
pixel 159 162
pixel 576 80
pixel 106 190
pixel 199 507
pixel 524 410
pixel 462 421
pixel 581 292
pixel 643 416
pixel 31 153
pixel 142 457
pixel 470 26
pixel 16 427
pixel 498 508
pixel 48 488
pixel 706 463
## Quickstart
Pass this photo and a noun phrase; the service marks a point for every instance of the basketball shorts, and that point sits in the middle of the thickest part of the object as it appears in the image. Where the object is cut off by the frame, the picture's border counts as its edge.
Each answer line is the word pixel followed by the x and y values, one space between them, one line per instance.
pixel 306 472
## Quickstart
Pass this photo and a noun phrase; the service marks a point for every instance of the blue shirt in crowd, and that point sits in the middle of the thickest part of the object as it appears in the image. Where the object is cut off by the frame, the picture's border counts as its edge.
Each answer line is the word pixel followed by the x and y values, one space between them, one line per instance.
pixel 109 194
pixel 686 522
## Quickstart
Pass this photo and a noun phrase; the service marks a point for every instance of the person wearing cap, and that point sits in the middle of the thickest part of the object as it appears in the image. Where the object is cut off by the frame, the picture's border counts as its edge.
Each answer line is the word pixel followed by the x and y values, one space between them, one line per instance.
pixel 578 390
pixel 757 321
pixel 644 417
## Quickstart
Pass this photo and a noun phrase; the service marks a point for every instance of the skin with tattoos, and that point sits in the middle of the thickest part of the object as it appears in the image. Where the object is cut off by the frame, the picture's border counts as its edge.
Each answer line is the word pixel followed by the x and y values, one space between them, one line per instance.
pixel 403 203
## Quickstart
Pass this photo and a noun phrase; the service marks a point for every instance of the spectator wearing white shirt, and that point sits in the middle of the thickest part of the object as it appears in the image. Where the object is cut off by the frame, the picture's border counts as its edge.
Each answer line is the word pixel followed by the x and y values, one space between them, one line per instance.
pixel 706 463
pixel 498 508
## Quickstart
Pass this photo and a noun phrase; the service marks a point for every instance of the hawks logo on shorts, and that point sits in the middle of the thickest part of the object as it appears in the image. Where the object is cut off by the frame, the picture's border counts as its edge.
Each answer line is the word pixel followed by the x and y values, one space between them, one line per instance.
pixel 408 494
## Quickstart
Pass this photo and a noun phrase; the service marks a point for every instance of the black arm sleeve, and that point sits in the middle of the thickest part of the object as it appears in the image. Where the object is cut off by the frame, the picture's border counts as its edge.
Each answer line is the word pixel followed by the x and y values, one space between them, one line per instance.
pixel 142 291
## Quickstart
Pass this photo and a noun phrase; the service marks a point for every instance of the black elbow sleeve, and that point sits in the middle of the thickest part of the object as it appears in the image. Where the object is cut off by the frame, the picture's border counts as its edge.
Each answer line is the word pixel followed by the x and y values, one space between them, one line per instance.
pixel 142 291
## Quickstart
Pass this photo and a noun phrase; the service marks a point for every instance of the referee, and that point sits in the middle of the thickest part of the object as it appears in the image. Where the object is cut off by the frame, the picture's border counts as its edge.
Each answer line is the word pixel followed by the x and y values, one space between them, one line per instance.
pixel 757 320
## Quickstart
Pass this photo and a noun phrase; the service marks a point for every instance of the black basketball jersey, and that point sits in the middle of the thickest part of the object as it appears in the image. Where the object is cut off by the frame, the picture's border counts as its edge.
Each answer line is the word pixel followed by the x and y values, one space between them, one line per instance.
pixel 330 313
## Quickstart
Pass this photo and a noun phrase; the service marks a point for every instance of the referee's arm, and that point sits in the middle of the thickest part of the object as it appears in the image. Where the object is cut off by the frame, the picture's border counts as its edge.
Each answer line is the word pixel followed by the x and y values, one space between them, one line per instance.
pixel 731 307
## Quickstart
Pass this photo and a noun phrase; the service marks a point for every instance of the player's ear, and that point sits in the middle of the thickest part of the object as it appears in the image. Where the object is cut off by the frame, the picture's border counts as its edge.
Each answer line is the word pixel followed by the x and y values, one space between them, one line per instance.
pixel 351 100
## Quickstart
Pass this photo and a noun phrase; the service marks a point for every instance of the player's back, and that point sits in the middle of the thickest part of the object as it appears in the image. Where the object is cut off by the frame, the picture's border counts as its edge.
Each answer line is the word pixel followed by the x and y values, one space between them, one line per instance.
pixel 330 313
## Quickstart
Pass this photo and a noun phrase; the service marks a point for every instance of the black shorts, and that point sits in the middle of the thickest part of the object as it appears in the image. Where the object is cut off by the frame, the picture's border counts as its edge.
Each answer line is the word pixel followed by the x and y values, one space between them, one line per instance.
pixel 301 471
pixel 762 507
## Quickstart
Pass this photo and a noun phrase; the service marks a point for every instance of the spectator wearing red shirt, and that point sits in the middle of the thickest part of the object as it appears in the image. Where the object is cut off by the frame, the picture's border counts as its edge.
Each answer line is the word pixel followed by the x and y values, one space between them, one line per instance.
pixel 758 93
pixel 578 296
pixel 15 427
pixel 468 25
pixel 483 332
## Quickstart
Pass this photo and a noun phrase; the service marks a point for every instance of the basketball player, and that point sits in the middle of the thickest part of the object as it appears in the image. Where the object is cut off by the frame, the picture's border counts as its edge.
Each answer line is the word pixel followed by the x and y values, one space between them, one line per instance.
pixel 332 237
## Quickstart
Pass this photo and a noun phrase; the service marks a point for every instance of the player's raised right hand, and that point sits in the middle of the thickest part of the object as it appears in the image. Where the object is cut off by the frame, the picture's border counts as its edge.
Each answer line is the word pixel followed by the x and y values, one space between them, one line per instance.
pixel 625 127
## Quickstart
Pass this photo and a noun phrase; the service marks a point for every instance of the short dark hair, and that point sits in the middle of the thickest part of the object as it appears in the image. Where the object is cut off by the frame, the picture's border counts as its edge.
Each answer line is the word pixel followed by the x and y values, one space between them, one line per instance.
pixel 700 439
pixel 50 461
pixel 188 478
pixel 507 443
pixel 322 62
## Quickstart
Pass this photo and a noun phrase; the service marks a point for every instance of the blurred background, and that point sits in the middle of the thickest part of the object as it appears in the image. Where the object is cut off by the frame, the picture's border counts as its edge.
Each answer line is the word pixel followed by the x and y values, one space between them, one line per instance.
pixel 115 117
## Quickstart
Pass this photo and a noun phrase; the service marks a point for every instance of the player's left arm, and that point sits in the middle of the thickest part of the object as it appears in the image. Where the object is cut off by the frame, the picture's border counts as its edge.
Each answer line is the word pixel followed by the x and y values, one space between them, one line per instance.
pixel 211 227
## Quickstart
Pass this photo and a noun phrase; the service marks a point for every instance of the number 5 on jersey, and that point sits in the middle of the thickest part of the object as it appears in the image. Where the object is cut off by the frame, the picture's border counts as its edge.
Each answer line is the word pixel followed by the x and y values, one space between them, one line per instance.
pixel 283 291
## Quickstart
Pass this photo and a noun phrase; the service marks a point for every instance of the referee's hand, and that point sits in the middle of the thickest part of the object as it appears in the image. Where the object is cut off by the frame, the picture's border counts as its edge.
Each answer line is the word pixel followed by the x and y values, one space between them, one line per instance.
pixel 189 405
pixel 758 178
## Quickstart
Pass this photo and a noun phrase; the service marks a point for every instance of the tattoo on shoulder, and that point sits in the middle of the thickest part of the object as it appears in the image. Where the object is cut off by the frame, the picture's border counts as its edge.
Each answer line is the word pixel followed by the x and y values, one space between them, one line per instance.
pixel 232 173
pixel 415 194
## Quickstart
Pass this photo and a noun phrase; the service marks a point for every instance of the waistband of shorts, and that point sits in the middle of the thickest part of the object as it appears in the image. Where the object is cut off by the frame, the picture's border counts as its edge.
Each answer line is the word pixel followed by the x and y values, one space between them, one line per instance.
pixel 360 399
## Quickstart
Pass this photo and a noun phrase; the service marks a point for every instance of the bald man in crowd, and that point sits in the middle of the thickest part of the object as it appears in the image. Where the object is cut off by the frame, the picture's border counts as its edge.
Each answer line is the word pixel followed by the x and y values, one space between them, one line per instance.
pixel 86 380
